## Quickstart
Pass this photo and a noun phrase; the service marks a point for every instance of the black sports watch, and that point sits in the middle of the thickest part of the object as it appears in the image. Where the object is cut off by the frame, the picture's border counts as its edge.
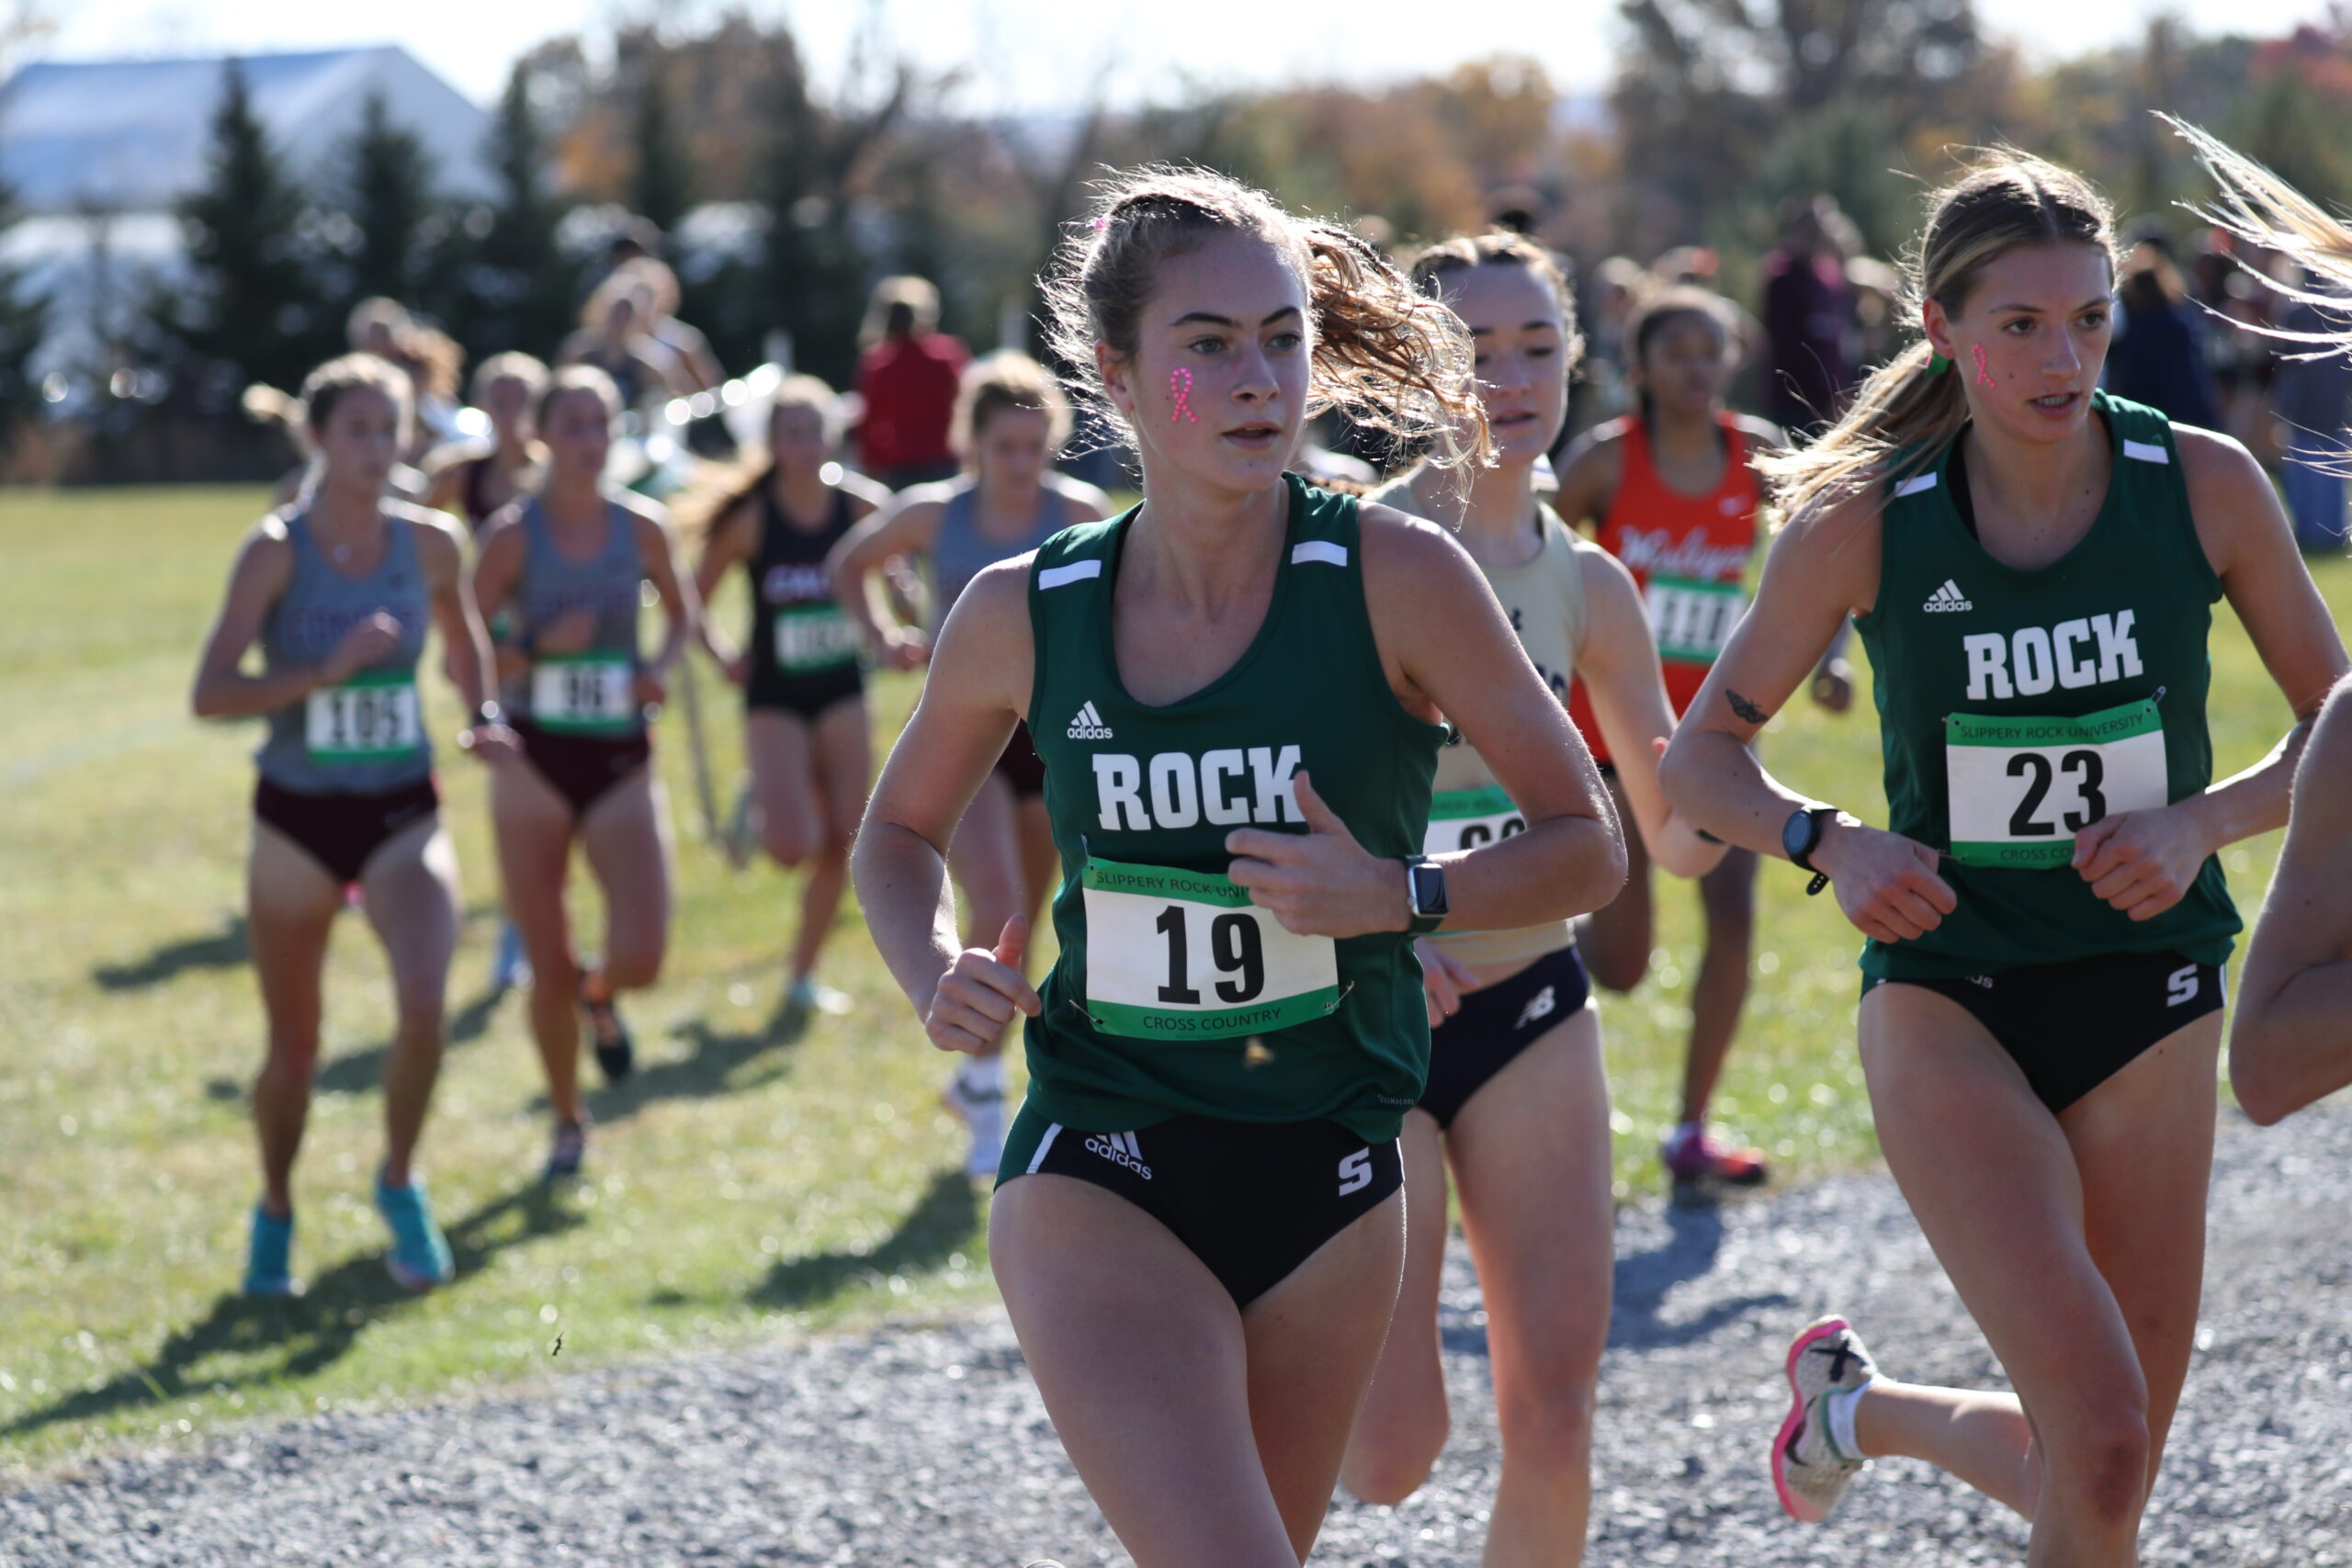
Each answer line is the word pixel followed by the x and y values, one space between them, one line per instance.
pixel 1424 894
pixel 1801 835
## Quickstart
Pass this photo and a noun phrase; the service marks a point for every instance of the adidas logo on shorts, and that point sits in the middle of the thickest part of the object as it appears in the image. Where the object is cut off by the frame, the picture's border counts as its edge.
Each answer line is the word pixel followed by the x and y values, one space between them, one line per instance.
pixel 1088 726
pixel 1119 1148
pixel 1948 597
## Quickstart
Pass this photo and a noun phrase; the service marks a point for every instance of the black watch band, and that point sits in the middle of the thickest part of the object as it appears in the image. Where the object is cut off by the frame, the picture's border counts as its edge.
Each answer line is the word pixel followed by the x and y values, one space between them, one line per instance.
pixel 1800 842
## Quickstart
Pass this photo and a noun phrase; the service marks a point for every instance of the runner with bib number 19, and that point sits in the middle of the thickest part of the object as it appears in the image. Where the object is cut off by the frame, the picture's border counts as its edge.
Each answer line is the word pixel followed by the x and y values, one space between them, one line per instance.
pixel 1236 690
pixel 2031 565
pixel 1671 490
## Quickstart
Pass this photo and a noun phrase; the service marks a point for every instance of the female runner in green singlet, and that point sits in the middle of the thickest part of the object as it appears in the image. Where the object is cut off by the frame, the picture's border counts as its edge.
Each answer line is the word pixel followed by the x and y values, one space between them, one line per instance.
pixel 1235 689
pixel 2290 1039
pixel 1517 1102
pixel 2032 566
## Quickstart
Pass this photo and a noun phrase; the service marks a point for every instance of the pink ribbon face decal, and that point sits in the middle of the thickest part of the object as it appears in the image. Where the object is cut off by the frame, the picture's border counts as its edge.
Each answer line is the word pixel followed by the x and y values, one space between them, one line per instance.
pixel 1179 386
pixel 1984 377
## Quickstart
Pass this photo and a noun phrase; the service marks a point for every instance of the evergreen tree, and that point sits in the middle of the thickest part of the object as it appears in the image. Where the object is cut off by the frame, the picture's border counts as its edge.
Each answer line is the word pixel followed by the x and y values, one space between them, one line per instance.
pixel 516 287
pixel 253 311
pixel 661 180
pixel 23 320
pixel 389 198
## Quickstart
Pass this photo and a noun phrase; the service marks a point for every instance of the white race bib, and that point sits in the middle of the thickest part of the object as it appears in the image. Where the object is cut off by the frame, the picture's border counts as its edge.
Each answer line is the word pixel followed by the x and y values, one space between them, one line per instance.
pixel 371 719
pixel 1185 956
pixel 594 693
pixel 1693 620
pixel 811 638
pixel 2020 789
pixel 1465 818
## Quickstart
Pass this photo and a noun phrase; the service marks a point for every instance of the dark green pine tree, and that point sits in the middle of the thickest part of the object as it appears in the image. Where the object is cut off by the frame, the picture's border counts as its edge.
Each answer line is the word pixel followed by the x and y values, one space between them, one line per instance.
pixel 388 194
pixel 23 320
pixel 516 288
pixel 252 310
pixel 661 180
pixel 812 269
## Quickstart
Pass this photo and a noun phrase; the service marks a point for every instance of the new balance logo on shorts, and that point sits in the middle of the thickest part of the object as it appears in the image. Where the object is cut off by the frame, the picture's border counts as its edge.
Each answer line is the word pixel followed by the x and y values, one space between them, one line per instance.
pixel 1948 597
pixel 1540 1005
pixel 1120 1148
pixel 1089 724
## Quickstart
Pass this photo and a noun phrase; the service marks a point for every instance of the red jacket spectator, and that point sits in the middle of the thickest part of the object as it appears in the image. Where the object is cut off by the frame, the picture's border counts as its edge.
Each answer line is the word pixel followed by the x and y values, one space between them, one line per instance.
pixel 908 379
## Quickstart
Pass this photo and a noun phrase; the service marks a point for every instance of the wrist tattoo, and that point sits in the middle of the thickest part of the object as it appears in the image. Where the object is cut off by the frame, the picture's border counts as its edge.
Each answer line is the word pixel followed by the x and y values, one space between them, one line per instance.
pixel 1748 711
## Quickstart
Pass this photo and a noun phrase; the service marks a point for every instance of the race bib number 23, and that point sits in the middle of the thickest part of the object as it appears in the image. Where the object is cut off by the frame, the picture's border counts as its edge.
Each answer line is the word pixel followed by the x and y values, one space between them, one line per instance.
pixel 1185 956
pixel 2021 788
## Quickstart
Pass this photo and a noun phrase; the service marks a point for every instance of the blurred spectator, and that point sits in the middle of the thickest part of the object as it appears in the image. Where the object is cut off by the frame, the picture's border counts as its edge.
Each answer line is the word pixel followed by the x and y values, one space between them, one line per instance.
pixel 1878 312
pixel 2312 401
pixel 687 345
pixel 1598 392
pixel 907 379
pixel 432 358
pixel 614 336
pixel 1805 310
pixel 2158 357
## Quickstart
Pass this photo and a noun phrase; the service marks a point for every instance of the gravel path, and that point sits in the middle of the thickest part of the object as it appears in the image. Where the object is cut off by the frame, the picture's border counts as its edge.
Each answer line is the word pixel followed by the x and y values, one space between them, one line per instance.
pixel 928 1447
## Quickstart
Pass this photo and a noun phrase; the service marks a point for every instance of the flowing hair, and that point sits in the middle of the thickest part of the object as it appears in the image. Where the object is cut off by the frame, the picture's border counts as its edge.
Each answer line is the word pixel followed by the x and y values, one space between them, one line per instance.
pixel 2262 210
pixel 1380 351
pixel 1907 414
pixel 722 487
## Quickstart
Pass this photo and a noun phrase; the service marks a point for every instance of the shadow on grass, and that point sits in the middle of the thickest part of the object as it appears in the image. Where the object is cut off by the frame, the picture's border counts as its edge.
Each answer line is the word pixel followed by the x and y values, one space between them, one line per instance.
pixel 715 1066
pixel 308 1334
pixel 225 948
pixel 941 1224
pixel 361 1072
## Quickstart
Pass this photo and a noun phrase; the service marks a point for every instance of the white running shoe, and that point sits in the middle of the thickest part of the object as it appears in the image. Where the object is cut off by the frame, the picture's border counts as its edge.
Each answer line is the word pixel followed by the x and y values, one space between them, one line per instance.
pixel 1808 1471
pixel 981 1107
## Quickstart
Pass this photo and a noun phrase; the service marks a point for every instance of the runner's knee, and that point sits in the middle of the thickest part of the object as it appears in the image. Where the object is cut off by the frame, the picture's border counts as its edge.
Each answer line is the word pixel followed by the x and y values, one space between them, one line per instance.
pixel 1385 1468
pixel 788 842
pixel 1546 1416
pixel 1614 966
pixel 2101 1456
pixel 634 961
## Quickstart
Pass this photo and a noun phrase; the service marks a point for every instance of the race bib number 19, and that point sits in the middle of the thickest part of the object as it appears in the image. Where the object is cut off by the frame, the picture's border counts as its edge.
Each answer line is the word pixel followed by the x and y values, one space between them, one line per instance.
pixel 1465 818
pixel 1693 620
pixel 584 695
pixel 371 719
pixel 2021 788
pixel 1185 956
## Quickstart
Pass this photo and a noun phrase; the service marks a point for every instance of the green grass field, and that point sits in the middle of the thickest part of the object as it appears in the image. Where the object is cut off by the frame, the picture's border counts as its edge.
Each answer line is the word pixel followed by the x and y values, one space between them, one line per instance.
pixel 744 1184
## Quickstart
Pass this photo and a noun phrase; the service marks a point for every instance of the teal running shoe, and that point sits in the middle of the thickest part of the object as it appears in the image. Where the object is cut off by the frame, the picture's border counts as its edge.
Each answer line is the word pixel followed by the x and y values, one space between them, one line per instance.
pixel 269 1257
pixel 420 1257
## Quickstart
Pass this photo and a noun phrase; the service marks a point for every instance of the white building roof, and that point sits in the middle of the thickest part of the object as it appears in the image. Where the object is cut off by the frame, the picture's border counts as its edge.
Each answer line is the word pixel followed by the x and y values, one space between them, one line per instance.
pixel 134 135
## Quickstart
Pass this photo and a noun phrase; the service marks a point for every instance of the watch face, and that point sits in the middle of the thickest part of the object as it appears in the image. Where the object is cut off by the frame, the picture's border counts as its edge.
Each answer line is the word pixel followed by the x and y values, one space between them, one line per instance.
pixel 1798 833
pixel 1429 890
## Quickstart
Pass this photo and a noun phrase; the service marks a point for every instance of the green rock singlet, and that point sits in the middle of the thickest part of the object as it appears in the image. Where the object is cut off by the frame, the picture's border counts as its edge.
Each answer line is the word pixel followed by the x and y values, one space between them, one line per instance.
pixel 1174 995
pixel 2016 708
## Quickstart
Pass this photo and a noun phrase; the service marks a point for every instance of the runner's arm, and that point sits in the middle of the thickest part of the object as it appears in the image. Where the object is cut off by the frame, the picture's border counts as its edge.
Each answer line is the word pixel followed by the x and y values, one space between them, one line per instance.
pixel 2143 862
pixel 910 523
pixel 2290 1042
pixel 1618 664
pixel 1446 642
pixel 976 692
pixel 681 607
pixel 265 564
pixel 498 566
pixel 1823 566
pixel 1589 476
pixel 727 544
pixel 465 655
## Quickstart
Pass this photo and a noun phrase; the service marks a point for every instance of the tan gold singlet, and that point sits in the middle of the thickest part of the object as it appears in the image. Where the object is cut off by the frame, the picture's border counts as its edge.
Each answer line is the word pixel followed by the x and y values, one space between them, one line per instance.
pixel 1545 601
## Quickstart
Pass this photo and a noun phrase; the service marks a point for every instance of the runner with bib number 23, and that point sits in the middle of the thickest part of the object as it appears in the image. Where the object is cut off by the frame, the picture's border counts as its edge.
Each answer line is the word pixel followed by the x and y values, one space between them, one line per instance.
pixel 2031 565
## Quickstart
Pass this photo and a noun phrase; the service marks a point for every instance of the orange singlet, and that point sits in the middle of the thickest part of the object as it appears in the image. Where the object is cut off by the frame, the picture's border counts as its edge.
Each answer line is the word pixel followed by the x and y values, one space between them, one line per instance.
pixel 1688 554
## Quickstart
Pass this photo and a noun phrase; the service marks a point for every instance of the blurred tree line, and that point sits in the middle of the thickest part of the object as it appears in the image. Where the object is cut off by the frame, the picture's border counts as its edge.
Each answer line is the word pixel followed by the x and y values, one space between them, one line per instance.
pixel 783 199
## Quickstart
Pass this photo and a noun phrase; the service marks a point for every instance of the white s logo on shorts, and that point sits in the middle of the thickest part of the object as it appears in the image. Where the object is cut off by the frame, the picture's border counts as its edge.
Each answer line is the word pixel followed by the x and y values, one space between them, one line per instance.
pixel 2180 986
pixel 1355 1172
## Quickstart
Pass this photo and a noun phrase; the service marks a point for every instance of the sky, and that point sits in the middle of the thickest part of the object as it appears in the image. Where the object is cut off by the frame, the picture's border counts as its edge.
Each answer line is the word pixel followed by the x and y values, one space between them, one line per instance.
pixel 1019 55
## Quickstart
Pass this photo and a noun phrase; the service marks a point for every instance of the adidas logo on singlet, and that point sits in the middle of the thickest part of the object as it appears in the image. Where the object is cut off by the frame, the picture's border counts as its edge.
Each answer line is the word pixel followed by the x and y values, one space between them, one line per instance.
pixel 1948 597
pixel 1089 724
pixel 1120 1148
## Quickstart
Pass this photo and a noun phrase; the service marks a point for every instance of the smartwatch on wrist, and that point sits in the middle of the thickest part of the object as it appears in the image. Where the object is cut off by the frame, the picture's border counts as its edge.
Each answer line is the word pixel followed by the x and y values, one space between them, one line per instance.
pixel 1801 835
pixel 1424 894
